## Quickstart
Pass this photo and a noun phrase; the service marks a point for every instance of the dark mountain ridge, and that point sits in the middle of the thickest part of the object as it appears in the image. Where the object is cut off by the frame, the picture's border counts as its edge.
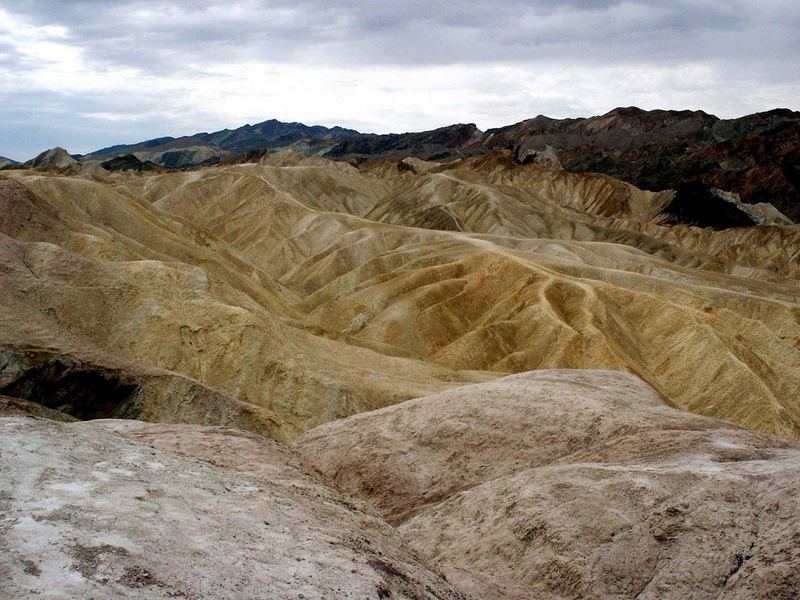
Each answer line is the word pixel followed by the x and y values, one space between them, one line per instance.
pixel 438 144
pixel 129 162
pixel 756 156
pixel 270 134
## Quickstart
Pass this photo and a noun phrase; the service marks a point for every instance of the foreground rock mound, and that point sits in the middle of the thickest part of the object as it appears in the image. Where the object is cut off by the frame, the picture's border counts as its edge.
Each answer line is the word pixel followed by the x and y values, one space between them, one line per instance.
pixel 115 509
pixel 576 484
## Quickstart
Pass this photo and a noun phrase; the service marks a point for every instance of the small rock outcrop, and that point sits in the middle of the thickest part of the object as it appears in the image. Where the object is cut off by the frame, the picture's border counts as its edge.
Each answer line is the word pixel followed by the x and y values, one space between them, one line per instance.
pixel 698 204
pixel 544 157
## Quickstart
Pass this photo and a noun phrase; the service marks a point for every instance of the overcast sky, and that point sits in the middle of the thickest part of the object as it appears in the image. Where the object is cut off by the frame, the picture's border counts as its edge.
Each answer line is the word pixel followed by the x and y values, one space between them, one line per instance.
pixel 91 73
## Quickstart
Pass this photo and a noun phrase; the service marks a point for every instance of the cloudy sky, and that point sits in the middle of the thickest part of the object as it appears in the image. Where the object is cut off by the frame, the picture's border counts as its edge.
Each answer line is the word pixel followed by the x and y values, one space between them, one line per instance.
pixel 90 73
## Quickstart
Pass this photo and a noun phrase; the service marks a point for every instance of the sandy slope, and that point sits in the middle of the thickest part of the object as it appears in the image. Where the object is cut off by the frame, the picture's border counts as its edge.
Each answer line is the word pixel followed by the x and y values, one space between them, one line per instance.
pixel 272 284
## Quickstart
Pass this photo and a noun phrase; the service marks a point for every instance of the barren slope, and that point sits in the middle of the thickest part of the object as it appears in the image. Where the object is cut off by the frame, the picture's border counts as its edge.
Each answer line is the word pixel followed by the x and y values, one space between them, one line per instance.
pixel 121 509
pixel 261 281
pixel 575 484
pixel 91 271
pixel 495 195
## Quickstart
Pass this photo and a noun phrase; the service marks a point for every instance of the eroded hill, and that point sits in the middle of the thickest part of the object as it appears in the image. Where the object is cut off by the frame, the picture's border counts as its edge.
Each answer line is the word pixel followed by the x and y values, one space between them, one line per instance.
pixel 308 290
pixel 575 484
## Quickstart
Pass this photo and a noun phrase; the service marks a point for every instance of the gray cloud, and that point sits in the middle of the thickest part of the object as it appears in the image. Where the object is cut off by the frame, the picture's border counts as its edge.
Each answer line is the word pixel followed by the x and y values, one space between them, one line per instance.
pixel 168 64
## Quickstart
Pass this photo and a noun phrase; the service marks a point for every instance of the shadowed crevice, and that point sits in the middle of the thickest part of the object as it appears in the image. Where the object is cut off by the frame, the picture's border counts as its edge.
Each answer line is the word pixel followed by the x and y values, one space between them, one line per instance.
pixel 77 388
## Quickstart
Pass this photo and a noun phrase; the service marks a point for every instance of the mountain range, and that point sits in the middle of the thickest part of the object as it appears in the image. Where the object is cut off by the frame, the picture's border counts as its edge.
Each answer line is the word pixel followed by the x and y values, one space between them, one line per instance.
pixel 755 156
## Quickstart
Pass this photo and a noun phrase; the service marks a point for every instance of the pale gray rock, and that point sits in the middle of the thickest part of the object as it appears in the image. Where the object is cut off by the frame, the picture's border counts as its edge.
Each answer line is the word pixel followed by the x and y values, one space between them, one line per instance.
pixel 763 213
pixel 576 484
pixel 124 509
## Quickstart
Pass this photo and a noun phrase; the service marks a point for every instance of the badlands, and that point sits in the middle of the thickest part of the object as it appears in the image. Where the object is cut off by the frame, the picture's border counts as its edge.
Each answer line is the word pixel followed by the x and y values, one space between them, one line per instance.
pixel 291 377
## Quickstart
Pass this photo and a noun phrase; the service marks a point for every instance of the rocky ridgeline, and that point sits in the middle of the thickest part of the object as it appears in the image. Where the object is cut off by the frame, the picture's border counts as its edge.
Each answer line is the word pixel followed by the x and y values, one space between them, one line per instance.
pixel 756 156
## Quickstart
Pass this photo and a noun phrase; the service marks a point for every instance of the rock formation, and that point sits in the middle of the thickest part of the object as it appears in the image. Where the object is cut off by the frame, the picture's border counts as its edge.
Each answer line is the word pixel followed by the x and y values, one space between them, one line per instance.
pixel 575 484
pixel 548 484
pixel 121 509
pixel 54 159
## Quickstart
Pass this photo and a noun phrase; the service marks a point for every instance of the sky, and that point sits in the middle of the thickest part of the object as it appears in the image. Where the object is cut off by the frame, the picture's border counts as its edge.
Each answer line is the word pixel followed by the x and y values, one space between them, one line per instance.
pixel 84 74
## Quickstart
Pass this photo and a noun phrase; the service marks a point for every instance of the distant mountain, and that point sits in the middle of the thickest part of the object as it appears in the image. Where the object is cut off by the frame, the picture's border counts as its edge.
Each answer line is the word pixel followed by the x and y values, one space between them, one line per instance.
pixel 209 148
pixel 5 162
pixel 54 159
pixel 129 162
pixel 438 144
pixel 756 156
pixel 334 142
